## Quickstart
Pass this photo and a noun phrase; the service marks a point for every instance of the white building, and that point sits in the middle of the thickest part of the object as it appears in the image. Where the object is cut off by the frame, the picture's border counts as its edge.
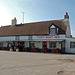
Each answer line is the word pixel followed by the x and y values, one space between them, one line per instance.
pixel 44 36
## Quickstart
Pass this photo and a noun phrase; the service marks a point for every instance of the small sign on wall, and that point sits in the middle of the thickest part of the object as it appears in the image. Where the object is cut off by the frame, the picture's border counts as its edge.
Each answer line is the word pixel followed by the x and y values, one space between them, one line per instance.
pixel 46 37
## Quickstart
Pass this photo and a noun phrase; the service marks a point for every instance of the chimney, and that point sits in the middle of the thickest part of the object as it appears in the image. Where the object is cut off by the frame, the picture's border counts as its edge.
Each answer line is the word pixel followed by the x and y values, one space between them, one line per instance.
pixel 67 23
pixel 14 21
pixel 66 16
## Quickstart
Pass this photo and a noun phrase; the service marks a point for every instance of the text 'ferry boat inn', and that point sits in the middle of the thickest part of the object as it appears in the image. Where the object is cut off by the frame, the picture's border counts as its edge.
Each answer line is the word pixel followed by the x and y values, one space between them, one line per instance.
pixel 46 36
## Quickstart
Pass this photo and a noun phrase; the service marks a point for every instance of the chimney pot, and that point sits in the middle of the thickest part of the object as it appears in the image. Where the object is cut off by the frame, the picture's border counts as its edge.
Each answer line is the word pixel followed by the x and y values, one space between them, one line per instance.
pixel 66 13
pixel 66 16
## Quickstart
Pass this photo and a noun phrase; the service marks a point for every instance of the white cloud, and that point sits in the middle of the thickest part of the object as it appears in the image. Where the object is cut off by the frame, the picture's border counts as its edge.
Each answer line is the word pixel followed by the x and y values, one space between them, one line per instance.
pixel 5 16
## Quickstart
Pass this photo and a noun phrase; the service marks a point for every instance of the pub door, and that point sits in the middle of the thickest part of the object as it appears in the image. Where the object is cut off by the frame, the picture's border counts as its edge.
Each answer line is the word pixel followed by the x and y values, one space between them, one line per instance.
pixel 20 45
pixel 44 47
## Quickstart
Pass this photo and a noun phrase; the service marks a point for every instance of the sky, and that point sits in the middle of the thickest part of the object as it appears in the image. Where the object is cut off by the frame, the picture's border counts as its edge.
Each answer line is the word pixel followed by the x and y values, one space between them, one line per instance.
pixel 36 10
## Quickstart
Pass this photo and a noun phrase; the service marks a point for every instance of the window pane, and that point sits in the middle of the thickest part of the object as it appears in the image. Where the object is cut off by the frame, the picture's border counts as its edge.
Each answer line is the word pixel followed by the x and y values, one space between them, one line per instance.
pixel 52 44
pixel 72 44
pixel 52 30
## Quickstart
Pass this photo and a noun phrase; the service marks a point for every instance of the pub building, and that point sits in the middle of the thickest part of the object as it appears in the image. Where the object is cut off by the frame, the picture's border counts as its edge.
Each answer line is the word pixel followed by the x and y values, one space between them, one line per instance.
pixel 46 36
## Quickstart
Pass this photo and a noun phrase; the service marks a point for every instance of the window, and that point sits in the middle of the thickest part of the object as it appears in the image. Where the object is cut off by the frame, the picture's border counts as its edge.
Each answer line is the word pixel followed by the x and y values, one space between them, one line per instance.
pixel 1 44
pixel 72 44
pixel 32 45
pixel 52 45
pixel 52 30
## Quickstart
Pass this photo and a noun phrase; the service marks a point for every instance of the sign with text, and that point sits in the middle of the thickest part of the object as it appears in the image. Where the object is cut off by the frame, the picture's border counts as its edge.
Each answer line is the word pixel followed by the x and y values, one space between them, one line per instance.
pixel 48 37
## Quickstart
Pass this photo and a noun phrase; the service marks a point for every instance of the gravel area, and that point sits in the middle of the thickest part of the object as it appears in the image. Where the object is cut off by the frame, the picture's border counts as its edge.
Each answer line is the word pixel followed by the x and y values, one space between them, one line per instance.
pixel 29 63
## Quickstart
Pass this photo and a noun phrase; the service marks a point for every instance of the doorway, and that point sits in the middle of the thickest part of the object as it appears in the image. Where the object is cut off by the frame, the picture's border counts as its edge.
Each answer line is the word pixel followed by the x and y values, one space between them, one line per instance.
pixel 21 45
pixel 44 46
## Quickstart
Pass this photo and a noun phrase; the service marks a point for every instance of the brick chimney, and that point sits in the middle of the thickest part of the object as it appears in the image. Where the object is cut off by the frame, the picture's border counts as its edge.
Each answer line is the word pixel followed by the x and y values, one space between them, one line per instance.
pixel 14 21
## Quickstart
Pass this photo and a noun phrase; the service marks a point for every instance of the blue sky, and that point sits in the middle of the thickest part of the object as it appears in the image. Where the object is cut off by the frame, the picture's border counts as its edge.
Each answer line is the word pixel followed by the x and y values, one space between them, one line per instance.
pixel 36 10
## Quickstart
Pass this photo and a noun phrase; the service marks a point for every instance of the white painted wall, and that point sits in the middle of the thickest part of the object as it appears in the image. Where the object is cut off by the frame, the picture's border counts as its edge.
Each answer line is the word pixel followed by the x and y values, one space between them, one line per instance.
pixel 7 38
pixel 67 45
pixel 68 30
pixel 58 45
pixel 35 38
pixel 22 38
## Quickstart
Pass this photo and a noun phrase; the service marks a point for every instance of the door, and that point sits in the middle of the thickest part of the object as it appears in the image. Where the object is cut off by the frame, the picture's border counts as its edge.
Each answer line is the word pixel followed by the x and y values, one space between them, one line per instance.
pixel 20 45
pixel 44 46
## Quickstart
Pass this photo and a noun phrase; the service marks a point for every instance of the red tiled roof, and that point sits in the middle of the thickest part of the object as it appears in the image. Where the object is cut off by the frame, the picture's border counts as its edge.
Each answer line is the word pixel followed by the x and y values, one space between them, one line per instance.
pixel 35 28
